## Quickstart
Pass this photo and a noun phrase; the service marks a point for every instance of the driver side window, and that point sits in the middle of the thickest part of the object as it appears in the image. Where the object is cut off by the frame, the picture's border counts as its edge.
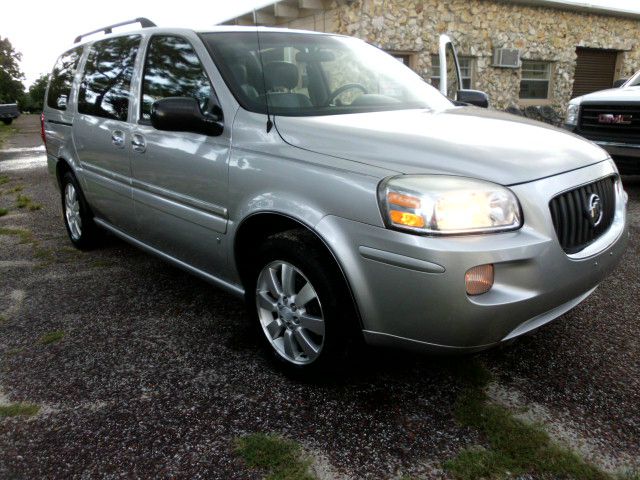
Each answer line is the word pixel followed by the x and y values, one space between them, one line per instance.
pixel 172 69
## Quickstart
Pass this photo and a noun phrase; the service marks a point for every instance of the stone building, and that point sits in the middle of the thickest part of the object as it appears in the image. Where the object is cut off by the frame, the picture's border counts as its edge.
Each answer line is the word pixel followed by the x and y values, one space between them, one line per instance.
pixel 565 49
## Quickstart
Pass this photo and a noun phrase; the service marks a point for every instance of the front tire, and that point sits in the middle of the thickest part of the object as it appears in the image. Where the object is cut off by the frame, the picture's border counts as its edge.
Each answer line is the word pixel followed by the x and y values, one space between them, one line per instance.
pixel 301 303
pixel 77 215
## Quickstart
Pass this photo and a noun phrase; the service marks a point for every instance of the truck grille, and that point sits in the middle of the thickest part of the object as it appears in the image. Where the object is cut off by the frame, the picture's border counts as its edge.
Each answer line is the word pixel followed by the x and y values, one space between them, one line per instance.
pixel 572 218
pixel 615 122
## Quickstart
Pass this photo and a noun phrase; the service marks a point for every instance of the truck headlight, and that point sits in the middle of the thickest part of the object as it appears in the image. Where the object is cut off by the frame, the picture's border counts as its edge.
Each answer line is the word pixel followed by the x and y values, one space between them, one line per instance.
pixel 573 111
pixel 447 205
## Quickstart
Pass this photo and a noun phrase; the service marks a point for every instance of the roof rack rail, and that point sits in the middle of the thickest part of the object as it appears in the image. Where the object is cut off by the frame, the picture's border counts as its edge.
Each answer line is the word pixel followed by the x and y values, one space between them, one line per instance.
pixel 144 23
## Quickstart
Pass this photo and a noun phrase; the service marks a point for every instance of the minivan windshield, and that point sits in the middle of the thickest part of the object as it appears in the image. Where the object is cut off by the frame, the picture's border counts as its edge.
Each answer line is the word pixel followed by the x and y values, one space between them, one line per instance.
pixel 300 74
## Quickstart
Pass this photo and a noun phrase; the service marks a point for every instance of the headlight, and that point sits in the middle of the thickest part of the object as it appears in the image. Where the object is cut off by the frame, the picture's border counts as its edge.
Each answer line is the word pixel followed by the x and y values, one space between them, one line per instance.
pixel 441 205
pixel 573 110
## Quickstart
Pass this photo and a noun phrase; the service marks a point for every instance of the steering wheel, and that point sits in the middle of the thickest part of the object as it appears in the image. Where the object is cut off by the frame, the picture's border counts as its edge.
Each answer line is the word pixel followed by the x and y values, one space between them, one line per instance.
pixel 340 90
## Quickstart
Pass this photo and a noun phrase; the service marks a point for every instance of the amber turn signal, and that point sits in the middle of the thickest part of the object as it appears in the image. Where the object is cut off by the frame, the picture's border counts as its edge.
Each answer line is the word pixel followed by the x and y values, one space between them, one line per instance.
pixel 395 198
pixel 479 280
pixel 407 219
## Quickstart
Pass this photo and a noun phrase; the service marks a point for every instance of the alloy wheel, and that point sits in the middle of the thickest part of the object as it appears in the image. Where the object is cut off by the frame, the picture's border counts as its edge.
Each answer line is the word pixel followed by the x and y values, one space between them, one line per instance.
pixel 290 313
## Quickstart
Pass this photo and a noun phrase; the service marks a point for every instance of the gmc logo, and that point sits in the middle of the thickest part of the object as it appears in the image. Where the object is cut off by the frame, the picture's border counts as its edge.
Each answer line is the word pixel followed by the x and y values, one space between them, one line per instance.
pixel 610 118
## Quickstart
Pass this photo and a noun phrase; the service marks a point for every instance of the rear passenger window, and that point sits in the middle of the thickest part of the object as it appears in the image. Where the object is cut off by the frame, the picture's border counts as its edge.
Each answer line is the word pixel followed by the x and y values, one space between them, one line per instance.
pixel 172 69
pixel 62 78
pixel 104 91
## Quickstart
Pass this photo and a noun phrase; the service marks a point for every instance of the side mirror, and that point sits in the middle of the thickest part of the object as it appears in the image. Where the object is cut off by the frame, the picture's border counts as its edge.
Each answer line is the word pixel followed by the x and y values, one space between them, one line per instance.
pixel 62 102
pixel 619 83
pixel 450 75
pixel 183 114
pixel 473 97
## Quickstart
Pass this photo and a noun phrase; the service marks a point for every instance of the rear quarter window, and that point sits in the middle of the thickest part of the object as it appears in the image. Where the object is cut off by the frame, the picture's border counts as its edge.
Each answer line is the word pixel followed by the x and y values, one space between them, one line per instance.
pixel 104 91
pixel 62 78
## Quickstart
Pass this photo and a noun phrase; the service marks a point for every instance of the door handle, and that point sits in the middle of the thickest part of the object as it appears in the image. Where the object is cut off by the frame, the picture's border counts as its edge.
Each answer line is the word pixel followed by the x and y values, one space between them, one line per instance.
pixel 117 138
pixel 138 143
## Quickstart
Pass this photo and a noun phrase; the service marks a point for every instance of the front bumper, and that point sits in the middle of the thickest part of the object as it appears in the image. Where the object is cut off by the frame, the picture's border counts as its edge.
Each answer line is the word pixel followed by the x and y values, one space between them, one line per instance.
pixel 626 155
pixel 410 289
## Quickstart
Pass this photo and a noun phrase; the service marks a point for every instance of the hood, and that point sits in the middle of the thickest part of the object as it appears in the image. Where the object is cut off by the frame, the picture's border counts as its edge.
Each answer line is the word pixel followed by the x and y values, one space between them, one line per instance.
pixel 626 95
pixel 468 141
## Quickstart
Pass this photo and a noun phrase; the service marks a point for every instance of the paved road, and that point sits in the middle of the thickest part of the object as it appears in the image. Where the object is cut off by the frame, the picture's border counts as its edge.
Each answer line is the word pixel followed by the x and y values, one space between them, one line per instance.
pixel 157 372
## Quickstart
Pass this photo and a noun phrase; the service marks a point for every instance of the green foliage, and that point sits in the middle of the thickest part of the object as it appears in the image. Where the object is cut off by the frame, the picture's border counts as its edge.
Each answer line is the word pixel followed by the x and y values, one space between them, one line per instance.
pixel 33 100
pixel 281 458
pixel 3 211
pixel 25 235
pixel 22 201
pixel 5 132
pixel 51 337
pixel 16 409
pixel 11 86
pixel 515 447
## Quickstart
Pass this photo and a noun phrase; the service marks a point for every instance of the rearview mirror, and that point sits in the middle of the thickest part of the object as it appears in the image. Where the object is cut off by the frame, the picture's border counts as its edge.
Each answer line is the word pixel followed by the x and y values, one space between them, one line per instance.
pixel 473 97
pixel 183 114
pixel 619 83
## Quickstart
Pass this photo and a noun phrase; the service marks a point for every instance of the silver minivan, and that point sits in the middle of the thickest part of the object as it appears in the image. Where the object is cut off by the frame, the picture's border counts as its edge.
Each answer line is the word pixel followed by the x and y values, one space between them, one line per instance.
pixel 326 183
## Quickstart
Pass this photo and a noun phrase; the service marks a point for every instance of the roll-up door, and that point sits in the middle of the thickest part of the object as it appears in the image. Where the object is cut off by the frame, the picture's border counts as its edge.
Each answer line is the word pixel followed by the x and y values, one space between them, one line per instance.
pixel 595 70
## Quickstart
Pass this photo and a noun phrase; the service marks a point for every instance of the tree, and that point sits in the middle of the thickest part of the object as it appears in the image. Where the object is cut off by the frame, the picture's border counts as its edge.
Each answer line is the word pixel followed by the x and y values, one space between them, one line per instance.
pixel 34 99
pixel 11 86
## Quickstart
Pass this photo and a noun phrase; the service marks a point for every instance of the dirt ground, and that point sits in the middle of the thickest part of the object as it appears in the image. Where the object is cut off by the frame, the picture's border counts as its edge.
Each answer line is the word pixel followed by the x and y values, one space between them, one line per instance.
pixel 141 370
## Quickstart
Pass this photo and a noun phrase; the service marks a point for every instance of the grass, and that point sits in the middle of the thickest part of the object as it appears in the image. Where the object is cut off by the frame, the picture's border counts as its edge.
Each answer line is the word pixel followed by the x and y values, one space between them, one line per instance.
pixel 16 189
pixel 3 211
pixel 15 351
pixel 102 263
pixel 280 458
pixel 25 235
pixel 51 337
pixel 18 409
pixel 4 179
pixel 514 447
pixel 22 201
pixel 43 254
pixel 5 132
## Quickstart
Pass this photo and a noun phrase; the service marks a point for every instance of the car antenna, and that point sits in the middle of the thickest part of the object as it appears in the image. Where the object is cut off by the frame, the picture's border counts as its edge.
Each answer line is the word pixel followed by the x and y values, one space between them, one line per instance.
pixel 264 82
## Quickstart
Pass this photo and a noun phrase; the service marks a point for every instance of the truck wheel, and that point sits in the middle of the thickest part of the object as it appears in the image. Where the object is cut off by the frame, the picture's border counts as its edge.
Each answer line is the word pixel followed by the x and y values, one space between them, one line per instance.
pixel 7 121
pixel 301 303
pixel 77 215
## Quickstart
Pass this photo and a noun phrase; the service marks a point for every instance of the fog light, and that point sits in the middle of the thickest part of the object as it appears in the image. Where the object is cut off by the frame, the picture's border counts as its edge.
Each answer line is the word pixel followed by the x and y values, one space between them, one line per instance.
pixel 479 279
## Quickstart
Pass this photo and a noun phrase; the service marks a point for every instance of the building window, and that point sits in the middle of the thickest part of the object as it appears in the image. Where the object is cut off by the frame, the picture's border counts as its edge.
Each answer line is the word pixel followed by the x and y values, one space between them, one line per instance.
pixel 466 70
pixel 406 58
pixel 536 79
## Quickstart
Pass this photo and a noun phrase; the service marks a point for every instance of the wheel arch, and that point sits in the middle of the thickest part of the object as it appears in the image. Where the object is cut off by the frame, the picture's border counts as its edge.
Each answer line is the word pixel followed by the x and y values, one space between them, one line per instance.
pixel 62 166
pixel 260 225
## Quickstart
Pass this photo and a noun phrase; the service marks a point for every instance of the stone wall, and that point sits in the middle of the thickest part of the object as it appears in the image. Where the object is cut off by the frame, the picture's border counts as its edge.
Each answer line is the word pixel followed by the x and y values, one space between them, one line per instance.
pixel 479 26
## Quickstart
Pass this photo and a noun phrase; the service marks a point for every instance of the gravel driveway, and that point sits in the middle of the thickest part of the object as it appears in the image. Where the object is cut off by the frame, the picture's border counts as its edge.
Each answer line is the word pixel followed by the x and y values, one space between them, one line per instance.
pixel 141 370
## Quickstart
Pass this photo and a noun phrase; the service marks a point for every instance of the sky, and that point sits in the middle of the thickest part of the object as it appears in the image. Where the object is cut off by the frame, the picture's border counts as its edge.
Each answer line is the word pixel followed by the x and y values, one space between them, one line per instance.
pixel 42 30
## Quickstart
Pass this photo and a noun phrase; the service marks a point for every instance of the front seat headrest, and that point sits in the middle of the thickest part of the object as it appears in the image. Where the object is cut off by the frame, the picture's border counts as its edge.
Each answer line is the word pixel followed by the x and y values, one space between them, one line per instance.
pixel 239 73
pixel 281 75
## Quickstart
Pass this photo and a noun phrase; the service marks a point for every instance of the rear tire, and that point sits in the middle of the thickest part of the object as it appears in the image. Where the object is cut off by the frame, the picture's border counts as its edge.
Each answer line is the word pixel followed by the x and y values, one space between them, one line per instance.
pixel 301 304
pixel 7 121
pixel 78 218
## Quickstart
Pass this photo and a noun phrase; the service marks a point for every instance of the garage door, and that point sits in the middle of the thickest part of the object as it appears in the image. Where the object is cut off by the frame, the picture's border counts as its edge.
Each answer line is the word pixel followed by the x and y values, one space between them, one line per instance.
pixel 595 70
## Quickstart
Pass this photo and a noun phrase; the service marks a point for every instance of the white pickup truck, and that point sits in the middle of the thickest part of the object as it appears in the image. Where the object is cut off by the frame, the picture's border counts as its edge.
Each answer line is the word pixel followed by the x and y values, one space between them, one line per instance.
pixel 8 112
pixel 611 118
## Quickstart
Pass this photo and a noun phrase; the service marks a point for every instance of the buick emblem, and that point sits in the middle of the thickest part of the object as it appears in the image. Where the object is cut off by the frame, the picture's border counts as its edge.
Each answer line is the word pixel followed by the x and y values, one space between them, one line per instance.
pixel 610 118
pixel 594 212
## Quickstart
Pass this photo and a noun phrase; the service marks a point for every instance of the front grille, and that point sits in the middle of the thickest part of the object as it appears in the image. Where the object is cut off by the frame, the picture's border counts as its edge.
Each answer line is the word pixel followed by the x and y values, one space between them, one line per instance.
pixel 570 212
pixel 610 122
